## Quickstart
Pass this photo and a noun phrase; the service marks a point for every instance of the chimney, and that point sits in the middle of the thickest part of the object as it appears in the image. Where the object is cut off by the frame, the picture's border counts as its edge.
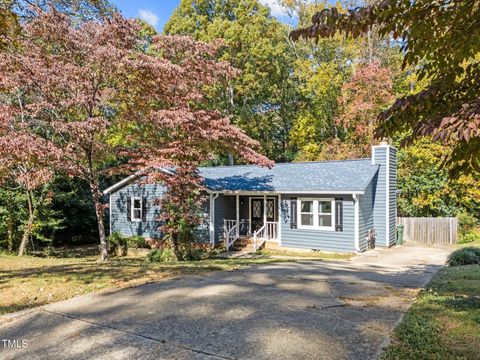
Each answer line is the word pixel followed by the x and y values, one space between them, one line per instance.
pixel 385 202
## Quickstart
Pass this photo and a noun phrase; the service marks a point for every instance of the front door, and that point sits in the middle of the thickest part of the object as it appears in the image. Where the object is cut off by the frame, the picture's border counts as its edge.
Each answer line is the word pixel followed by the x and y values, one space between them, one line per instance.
pixel 256 211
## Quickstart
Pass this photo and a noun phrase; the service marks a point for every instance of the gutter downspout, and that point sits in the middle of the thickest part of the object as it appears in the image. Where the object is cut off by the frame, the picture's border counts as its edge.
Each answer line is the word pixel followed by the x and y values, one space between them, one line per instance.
pixel 213 197
pixel 356 200
pixel 110 213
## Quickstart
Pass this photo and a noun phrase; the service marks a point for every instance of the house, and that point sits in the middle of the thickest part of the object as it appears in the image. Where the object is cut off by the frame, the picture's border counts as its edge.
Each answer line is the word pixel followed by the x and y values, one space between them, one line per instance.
pixel 341 206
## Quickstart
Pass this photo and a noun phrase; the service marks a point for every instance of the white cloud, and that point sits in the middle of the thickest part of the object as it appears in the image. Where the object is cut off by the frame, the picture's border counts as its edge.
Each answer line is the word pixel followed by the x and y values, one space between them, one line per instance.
pixel 148 16
pixel 275 7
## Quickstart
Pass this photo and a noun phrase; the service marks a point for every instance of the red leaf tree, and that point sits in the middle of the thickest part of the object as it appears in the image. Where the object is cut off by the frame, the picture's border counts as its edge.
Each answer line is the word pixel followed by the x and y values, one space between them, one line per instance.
pixel 97 90
pixel 369 91
pixel 25 161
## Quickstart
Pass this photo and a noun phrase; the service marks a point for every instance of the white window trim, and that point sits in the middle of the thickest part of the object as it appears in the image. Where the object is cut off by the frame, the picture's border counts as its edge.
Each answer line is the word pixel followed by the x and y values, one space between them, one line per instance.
pixel 315 225
pixel 132 207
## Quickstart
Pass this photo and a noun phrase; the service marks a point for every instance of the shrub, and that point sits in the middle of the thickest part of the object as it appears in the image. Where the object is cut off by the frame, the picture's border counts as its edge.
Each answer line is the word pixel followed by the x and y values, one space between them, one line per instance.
pixel 193 254
pixel 466 221
pixel 469 237
pixel 50 251
pixel 117 244
pixel 466 256
pixel 161 255
pixel 137 242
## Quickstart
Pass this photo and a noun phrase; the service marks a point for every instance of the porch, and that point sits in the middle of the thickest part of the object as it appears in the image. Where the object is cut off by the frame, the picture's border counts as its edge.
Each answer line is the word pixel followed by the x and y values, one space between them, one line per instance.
pixel 248 219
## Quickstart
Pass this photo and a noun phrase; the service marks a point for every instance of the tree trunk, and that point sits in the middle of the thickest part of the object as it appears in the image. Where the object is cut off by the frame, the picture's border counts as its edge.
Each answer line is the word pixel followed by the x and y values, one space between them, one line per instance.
pixel 10 224
pixel 28 228
pixel 10 233
pixel 96 196
pixel 370 47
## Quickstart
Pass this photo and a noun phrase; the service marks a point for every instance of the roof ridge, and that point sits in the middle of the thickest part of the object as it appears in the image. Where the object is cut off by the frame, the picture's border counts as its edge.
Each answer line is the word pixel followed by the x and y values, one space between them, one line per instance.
pixel 285 163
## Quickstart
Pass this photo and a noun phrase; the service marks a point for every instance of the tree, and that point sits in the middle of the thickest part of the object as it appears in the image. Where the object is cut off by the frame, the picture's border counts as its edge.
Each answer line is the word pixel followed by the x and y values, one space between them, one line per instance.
pixel 322 68
pixel 188 134
pixel 13 11
pixel 368 92
pixel 9 26
pixel 12 215
pixel 92 92
pixel 426 189
pixel 263 100
pixel 26 161
pixel 79 10
pixel 440 40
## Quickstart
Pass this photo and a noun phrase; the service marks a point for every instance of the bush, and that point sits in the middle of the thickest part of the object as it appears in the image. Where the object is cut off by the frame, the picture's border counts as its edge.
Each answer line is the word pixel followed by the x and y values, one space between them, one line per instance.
pixel 469 237
pixel 50 251
pixel 466 222
pixel 117 244
pixel 466 256
pixel 193 254
pixel 137 242
pixel 161 255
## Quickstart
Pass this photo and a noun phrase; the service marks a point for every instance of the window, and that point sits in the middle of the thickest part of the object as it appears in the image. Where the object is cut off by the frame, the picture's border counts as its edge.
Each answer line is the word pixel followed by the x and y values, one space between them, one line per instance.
pixel 136 209
pixel 316 214
pixel 306 213
pixel 324 213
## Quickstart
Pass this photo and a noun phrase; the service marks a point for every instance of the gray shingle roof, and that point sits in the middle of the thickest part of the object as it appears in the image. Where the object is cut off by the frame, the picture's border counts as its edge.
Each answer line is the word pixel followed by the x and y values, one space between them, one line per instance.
pixel 324 176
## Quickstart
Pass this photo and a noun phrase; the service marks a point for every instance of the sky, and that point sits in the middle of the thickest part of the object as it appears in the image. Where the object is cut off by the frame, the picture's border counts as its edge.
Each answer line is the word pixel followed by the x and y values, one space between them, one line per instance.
pixel 157 12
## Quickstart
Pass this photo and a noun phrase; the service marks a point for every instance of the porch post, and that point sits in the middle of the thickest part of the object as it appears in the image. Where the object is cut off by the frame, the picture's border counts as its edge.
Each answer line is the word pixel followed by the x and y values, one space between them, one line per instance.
pixel 238 215
pixel 264 209
pixel 212 221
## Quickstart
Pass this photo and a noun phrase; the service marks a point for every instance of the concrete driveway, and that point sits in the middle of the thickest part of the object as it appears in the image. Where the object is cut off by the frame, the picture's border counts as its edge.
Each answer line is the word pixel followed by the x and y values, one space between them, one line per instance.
pixel 304 310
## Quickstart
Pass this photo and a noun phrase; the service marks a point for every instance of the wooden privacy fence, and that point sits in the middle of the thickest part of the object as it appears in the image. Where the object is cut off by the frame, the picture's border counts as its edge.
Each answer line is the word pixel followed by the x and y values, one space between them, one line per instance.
pixel 422 230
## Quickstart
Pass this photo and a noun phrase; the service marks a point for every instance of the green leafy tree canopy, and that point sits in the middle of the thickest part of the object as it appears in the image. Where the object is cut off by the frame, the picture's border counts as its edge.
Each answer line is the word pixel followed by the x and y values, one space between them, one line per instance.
pixel 440 40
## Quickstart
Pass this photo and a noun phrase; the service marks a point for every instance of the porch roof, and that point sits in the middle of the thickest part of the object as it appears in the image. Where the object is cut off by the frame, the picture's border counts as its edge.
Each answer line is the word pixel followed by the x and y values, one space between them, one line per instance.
pixel 345 176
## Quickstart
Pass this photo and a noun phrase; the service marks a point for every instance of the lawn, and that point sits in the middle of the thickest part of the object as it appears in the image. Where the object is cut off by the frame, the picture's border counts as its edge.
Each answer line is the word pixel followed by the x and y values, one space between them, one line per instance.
pixel 444 322
pixel 31 281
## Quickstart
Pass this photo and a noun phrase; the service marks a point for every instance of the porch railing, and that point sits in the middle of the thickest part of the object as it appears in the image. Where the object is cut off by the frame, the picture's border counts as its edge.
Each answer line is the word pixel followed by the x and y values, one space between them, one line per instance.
pixel 228 224
pixel 229 232
pixel 230 237
pixel 267 232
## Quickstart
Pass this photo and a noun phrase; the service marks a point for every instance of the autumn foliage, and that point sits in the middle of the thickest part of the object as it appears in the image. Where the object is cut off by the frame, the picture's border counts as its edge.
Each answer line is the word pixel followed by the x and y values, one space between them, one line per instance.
pixel 84 95
pixel 440 40
pixel 369 91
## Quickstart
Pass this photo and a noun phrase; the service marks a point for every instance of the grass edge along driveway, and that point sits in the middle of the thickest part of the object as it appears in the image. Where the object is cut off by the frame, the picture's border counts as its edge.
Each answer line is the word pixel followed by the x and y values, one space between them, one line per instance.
pixel 444 322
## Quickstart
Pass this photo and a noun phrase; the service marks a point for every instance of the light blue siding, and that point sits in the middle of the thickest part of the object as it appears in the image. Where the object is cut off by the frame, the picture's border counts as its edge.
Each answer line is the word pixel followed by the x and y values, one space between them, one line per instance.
pixel 382 219
pixel 337 241
pixel 393 195
pixel 225 208
pixel 118 212
pixel 150 228
pixel 202 232
pixel 366 203
pixel 379 206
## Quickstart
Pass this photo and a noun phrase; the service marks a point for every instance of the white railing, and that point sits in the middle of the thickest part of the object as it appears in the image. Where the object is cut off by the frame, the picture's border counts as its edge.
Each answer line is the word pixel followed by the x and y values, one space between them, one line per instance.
pixel 228 224
pixel 229 232
pixel 230 237
pixel 266 232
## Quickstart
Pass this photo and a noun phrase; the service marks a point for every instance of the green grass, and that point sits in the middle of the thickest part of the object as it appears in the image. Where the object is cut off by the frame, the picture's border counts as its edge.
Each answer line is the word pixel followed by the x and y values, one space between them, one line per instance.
pixel 444 322
pixel 475 232
pixel 305 254
pixel 31 281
